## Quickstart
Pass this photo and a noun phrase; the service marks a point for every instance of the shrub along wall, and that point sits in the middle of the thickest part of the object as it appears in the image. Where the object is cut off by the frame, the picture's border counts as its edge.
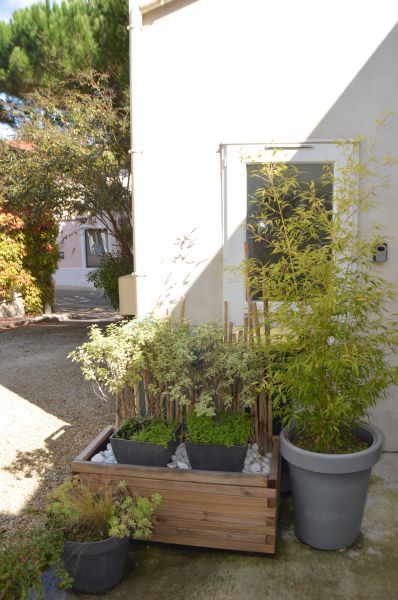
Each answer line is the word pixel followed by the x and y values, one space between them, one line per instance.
pixel 28 259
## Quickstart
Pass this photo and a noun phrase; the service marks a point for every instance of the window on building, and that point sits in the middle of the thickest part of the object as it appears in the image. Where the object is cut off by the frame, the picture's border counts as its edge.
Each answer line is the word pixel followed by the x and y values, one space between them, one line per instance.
pixel 97 244
pixel 304 174
pixel 239 184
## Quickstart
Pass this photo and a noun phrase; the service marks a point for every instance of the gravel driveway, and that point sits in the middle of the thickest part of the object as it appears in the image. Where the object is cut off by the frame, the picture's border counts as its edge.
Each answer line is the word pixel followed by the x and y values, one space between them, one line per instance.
pixel 47 411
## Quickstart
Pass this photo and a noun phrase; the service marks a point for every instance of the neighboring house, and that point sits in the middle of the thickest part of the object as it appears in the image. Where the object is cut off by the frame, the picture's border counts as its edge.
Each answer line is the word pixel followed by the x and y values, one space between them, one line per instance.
pixel 82 243
pixel 216 84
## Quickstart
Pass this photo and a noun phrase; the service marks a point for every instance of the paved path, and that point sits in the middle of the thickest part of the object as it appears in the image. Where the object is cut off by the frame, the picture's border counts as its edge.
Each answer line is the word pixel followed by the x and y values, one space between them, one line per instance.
pixel 48 412
pixel 84 304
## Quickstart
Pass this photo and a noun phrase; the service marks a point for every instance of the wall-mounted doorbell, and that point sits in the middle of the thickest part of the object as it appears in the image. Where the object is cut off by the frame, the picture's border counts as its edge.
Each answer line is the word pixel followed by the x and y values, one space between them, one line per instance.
pixel 381 254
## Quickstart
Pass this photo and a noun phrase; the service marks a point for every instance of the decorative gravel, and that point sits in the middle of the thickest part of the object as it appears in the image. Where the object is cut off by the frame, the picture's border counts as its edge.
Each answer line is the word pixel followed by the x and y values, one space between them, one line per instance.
pixel 48 415
pixel 254 462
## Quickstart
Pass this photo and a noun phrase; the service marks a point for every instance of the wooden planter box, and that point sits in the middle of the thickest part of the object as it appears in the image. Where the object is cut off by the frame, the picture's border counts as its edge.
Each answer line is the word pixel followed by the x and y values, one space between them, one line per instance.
pixel 210 509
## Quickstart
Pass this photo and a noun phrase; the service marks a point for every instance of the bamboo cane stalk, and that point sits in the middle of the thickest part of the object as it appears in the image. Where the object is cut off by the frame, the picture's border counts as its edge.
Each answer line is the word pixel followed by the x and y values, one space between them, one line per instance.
pixel 182 307
pixel 225 321
pixel 269 422
pixel 230 332
pixel 267 331
pixel 256 322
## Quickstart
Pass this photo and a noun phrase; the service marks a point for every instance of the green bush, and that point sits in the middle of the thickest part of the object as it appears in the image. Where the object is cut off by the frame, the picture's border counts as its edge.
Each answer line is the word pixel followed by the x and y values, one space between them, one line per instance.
pixel 28 259
pixel 177 361
pixel 105 277
pixel 225 428
pixel 24 558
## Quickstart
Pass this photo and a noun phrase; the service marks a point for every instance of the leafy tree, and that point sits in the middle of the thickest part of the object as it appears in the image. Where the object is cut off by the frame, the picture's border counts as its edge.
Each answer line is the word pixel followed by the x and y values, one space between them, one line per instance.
pixel 45 44
pixel 76 146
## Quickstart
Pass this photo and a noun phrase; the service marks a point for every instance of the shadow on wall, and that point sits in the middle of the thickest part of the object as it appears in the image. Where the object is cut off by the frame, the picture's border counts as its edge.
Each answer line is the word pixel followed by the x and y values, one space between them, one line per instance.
pixel 372 92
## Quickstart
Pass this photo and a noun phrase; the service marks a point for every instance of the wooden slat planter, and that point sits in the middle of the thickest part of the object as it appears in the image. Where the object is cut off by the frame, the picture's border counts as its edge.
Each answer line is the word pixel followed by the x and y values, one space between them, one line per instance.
pixel 212 509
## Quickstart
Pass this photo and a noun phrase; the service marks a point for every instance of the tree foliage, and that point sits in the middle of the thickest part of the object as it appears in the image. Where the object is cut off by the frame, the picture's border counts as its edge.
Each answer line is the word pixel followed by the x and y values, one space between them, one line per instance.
pixel 28 258
pixel 51 42
pixel 76 146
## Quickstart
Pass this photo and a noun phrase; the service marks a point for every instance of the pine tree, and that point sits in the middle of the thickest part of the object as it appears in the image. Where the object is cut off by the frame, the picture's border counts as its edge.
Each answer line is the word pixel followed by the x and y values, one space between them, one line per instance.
pixel 48 43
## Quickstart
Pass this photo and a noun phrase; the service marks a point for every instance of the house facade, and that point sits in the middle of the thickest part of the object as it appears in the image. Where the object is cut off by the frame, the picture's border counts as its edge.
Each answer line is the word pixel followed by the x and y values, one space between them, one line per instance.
pixel 82 243
pixel 218 84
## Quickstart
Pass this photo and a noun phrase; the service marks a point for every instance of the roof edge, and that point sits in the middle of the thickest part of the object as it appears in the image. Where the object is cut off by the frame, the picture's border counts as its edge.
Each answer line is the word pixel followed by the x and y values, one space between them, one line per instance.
pixel 149 5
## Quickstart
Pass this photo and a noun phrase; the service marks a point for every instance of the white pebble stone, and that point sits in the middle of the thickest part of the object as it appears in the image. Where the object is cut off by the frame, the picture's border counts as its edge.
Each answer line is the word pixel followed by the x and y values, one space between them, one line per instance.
pixel 109 447
pixel 182 465
pixel 172 465
pixel 255 468
pixel 255 447
pixel 98 458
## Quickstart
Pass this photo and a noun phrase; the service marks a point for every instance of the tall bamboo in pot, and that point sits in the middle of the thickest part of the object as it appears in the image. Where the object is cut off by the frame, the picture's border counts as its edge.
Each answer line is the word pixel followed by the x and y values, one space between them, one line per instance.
pixel 332 340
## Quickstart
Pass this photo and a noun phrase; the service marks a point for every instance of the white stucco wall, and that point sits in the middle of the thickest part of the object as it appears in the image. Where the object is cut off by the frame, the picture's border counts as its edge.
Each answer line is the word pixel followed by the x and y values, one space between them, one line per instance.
pixel 208 72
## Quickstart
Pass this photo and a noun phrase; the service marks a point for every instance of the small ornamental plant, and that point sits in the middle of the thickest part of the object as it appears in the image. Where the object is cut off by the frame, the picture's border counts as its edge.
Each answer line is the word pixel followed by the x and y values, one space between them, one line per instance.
pixel 224 428
pixel 87 516
pixel 24 558
pixel 144 430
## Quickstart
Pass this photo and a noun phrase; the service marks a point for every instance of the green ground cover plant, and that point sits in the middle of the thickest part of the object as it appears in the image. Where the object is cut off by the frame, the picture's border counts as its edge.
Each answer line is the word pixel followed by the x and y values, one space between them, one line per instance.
pixel 224 428
pixel 154 432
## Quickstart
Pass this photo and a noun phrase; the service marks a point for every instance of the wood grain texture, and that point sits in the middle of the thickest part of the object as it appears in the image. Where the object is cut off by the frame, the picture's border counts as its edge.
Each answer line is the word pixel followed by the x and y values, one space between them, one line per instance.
pixel 210 509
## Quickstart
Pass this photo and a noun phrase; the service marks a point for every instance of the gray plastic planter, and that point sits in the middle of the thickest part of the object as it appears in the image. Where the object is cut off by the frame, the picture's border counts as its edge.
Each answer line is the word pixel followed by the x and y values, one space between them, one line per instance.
pixel 131 452
pixel 96 567
pixel 329 490
pixel 215 457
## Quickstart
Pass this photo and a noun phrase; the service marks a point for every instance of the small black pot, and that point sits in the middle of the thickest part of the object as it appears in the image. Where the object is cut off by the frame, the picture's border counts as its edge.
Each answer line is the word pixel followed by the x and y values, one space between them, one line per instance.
pixel 215 457
pixel 96 567
pixel 130 452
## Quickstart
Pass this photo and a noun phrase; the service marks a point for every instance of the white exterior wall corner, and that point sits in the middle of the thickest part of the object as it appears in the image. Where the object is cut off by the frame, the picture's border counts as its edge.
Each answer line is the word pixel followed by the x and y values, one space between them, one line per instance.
pixel 220 71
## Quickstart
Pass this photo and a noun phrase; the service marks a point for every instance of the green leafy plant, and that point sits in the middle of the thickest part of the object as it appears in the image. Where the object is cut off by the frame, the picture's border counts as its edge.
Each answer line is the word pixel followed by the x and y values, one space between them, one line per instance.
pixel 177 363
pixel 144 430
pixel 105 277
pixel 332 339
pixel 225 428
pixel 85 515
pixel 23 559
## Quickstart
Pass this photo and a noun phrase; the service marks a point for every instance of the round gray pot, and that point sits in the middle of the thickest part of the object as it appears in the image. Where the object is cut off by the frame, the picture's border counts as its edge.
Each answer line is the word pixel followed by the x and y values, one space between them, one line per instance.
pixel 329 490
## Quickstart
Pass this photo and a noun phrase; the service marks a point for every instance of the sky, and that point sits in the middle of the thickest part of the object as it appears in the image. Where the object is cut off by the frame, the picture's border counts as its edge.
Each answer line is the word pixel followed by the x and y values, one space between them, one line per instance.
pixel 7 7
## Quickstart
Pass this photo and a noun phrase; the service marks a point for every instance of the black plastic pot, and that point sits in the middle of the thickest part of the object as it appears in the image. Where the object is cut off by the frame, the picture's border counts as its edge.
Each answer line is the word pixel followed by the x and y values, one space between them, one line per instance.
pixel 215 457
pixel 147 454
pixel 96 567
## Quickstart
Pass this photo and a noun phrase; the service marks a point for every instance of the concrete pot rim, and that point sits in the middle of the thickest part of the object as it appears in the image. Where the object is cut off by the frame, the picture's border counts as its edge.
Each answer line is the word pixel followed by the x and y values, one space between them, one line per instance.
pixel 335 463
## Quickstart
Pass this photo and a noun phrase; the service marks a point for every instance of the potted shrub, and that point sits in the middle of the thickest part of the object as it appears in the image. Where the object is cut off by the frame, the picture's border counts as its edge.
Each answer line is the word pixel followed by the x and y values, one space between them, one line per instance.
pixel 218 442
pixel 333 340
pixel 145 442
pixel 97 527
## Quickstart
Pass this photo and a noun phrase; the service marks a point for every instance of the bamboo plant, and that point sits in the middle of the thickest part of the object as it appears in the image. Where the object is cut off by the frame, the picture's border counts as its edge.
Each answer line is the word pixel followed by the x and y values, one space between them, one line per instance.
pixel 330 356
